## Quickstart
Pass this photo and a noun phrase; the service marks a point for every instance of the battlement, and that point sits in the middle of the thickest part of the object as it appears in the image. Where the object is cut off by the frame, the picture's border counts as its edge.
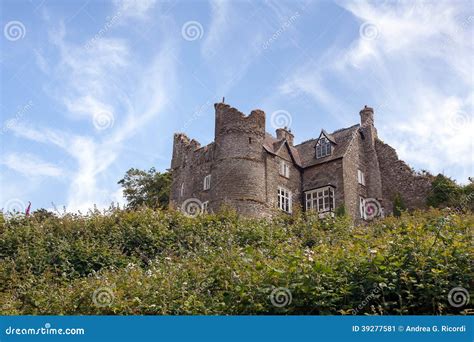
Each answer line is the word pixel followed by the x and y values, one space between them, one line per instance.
pixel 247 168
pixel 230 119
pixel 189 151
pixel 183 140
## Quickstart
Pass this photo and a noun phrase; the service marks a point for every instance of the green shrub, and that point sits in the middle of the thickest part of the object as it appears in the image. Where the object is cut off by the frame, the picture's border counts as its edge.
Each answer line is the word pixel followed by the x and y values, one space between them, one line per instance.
pixel 398 205
pixel 162 262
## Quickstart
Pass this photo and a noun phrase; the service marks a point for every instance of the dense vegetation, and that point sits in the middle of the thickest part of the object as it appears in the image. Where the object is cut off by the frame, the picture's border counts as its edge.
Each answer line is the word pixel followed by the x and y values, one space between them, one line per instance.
pixel 162 262
pixel 146 188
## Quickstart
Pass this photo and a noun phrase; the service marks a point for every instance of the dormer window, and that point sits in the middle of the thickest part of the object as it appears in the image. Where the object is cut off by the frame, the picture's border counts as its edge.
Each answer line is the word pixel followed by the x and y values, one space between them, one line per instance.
pixel 323 147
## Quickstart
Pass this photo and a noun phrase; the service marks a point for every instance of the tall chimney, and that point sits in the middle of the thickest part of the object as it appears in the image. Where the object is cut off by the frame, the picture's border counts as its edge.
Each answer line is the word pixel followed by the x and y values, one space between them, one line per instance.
pixel 367 126
pixel 366 116
pixel 285 133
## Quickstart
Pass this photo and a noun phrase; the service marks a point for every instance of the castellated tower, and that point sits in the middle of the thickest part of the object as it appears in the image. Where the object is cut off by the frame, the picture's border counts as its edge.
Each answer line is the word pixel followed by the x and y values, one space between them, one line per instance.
pixel 238 173
pixel 234 162
pixel 259 174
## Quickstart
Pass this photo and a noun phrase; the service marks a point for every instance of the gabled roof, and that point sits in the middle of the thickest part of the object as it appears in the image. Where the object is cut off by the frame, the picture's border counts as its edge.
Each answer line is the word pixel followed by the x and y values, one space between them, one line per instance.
pixel 304 154
pixel 327 135
pixel 272 145
pixel 341 138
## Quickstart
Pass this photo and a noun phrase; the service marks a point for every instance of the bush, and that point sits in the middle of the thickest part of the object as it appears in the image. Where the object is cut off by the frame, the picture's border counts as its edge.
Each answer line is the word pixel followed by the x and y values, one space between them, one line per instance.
pixel 398 205
pixel 162 262
pixel 445 192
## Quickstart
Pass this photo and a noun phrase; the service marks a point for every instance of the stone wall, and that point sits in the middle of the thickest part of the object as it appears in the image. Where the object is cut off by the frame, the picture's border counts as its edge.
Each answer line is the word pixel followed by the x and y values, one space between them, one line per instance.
pixel 189 165
pixel 353 161
pixel 398 177
pixel 330 173
pixel 274 179
pixel 239 167
pixel 246 177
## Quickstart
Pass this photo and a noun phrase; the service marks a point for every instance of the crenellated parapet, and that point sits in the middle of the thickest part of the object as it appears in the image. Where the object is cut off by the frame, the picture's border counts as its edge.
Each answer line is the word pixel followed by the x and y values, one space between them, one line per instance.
pixel 256 173
pixel 188 151
pixel 229 119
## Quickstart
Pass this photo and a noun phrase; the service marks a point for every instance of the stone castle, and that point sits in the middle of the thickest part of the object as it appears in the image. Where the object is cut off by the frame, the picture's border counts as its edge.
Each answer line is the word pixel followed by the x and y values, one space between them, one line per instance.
pixel 258 174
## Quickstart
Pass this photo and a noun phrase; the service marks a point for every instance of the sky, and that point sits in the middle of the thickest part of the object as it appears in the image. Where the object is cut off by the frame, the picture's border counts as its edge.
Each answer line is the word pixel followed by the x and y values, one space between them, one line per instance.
pixel 90 89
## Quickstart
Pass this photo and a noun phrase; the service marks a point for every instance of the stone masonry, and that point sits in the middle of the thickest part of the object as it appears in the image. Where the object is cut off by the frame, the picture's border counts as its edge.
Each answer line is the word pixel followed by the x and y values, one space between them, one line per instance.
pixel 258 174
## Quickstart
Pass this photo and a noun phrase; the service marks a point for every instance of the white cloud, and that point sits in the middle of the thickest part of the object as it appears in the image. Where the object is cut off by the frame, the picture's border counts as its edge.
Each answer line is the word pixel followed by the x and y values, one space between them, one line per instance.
pixel 139 9
pixel 417 65
pixel 30 165
pixel 104 76
pixel 218 28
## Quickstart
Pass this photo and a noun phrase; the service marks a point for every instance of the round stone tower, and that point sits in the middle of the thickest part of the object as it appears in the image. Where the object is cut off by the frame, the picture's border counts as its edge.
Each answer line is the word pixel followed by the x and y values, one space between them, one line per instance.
pixel 238 172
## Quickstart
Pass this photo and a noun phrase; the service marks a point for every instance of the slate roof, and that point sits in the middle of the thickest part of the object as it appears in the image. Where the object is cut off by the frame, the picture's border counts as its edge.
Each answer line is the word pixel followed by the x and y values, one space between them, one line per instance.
pixel 342 139
pixel 273 145
pixel 304 154
pixel 329 136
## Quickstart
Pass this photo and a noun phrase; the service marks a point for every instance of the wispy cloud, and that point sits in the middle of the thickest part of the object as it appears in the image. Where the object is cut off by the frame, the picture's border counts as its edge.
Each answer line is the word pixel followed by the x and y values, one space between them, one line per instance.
pixel 232 42
pixel 103 77
pixel 414 59
pixel 31 165
pixel 137 9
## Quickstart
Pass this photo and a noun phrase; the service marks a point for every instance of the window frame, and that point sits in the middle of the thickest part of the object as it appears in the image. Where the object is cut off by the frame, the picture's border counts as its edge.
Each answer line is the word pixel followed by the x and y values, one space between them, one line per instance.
pixel 207 182
pixel 323 147
pixel 284 169
pixel 362 208
pixel 315 199
pixel 284 200
pixel 360 177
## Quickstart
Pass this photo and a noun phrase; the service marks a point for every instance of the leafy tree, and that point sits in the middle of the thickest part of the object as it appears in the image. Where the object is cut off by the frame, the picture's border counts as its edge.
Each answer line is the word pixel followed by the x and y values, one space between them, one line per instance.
pixel 146 188
pixel 398 205
pixel 444 192
pixel 466 199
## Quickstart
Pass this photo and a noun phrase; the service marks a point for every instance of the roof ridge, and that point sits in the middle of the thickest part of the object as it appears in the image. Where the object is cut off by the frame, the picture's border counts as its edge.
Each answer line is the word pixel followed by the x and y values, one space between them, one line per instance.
pixel 336 131
pixel 346 128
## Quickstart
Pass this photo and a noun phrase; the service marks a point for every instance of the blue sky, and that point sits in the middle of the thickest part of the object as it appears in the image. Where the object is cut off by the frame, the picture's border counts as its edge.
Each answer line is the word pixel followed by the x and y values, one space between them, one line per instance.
pixel 90 89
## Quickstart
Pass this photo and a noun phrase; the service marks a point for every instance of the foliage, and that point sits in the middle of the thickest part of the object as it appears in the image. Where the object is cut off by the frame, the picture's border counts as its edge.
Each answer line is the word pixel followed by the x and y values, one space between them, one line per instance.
pixel 340 210
pixel 445 192
pixel 398 205
pixel 162 262
pixel 146 188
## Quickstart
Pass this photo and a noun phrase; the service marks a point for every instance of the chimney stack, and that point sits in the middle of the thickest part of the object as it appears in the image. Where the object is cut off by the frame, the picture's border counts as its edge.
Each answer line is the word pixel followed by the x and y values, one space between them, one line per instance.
pixel 285 133
pixel 366 116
